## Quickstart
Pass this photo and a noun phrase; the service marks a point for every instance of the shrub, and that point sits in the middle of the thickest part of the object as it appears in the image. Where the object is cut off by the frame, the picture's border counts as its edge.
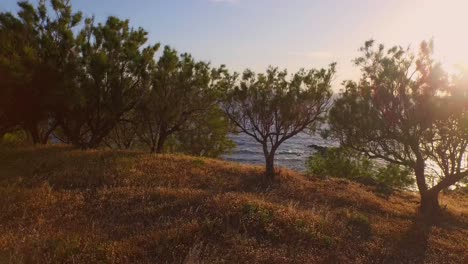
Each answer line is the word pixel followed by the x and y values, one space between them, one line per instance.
pixel 395 176
pixel 16 138
pixel 359 224
pixel 349 164
pixel 337 162
pixel 206 136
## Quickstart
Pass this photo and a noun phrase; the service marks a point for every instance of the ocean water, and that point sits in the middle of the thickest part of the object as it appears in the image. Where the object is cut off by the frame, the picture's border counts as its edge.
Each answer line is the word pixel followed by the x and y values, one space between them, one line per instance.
pixel 292 154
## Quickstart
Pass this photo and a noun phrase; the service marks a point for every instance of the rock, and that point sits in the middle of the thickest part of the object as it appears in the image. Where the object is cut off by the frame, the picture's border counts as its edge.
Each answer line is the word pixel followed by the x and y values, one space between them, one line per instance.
pixel 320 149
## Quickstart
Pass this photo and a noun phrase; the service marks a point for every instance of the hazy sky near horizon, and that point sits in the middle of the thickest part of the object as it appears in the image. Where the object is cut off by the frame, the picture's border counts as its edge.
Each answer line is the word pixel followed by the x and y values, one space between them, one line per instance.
pixel 290 34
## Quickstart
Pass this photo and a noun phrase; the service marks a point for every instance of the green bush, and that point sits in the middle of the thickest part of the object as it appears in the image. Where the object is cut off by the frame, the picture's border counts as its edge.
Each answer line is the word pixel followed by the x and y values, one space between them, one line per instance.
pixel 395 176
pixel 16 138
pixel 349 164
pixel 339 163
pixel 205 136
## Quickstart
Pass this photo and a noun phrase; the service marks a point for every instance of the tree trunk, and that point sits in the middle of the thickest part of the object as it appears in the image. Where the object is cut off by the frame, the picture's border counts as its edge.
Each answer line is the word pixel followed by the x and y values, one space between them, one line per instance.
pixel 160 145
pixel 46 135
pixel 270 167
pixel 95 141
pixel 419 171
pixel 45 139
pixel 128 145
pixel 430 207
pixel 33 130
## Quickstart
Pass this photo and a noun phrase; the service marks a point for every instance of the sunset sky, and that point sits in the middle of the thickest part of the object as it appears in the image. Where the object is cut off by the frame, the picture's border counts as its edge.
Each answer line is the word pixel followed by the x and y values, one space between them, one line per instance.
pixel 291 34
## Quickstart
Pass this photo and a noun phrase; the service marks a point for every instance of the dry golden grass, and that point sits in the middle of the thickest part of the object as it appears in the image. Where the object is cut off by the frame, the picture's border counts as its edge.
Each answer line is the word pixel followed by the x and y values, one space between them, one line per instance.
pixel 60 205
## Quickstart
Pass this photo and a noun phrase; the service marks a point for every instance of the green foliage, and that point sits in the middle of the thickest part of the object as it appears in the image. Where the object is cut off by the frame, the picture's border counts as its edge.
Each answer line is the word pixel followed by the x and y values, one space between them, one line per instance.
pixel 16 138
pixel 82 82
pixel 36 64
pixel 183 92
pixel 348 164
pixel 338 162
pixel 206 135
pixel 395 176
pixel 115 72
pixel 99 84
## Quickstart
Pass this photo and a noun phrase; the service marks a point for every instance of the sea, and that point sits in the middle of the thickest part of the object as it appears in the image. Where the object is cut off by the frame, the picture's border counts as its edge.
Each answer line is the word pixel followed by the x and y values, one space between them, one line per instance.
pixel 292 154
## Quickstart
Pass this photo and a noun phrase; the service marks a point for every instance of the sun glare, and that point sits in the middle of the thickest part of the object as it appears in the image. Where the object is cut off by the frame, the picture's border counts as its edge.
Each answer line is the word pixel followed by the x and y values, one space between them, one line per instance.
pixel 443 21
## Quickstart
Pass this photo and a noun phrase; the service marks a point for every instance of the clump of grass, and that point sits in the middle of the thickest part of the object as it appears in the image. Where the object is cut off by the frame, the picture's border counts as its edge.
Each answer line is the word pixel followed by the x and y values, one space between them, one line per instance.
pixel 198 162
pixel 255 213
pixel 359 224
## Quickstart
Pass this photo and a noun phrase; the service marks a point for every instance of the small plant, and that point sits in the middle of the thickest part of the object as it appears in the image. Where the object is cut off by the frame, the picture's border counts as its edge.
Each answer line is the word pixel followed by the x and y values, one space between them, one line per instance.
pixel 255 212
pixel 198 162
pixel 359 224
pixel 303 228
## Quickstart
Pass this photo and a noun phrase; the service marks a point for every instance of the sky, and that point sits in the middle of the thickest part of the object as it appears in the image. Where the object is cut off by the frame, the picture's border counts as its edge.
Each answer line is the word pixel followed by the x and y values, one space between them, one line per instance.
pixel 291 34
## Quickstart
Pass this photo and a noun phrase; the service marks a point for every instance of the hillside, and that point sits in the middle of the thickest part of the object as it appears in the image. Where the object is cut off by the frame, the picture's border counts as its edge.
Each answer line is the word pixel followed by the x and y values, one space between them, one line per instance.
pixel 63 205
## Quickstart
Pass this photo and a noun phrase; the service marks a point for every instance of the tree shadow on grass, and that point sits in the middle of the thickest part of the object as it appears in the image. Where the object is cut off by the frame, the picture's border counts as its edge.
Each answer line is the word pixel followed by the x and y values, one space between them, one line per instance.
pixel 62 167
pixel 413 244
pixel 449 220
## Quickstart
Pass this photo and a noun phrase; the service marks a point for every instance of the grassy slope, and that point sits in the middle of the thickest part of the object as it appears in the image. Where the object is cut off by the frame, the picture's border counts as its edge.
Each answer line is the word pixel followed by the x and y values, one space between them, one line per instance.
pixel 63 205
